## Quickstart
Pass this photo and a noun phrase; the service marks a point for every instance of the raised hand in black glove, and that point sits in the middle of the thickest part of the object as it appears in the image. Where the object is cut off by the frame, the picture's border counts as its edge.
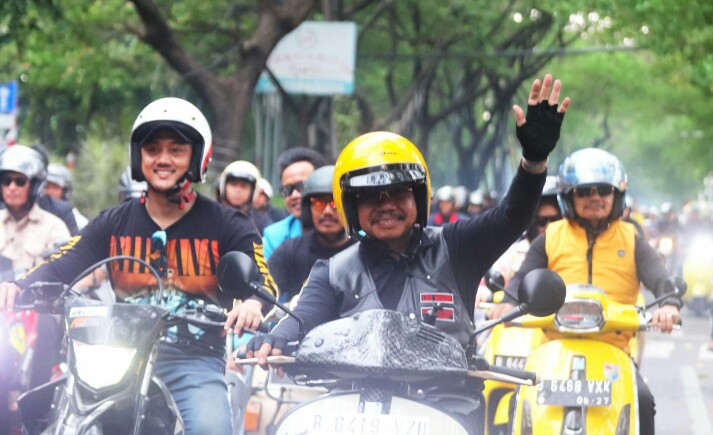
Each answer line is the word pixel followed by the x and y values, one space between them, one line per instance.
pixel 539 131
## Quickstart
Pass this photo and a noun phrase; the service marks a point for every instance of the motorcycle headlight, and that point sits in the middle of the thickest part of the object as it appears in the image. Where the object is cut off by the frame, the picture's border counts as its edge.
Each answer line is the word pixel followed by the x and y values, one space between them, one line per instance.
pixel 580 315
pixel 100 365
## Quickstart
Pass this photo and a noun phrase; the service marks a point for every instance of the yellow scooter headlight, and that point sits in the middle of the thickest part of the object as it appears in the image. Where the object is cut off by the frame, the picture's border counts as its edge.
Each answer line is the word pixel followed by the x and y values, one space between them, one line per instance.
pixel 580 315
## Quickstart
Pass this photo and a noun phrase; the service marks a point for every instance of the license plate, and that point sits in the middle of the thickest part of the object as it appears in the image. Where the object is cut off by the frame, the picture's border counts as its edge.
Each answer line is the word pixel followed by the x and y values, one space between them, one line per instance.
pixel 511 362
pixel 574 392
pixel 368 424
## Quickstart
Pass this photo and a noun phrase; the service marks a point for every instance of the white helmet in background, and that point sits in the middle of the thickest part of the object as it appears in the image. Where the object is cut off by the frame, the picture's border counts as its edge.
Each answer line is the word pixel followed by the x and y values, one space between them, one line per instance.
pixel 265 187
pixel 240 170
pixel 185 119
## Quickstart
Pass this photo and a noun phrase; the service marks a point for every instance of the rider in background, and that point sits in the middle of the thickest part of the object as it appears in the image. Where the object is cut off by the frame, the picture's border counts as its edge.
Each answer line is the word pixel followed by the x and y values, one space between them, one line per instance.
pixel 296 164
pixel 447 211
pixel 59 186
pixel 594 245
pixel 324 235
pixel 129 188
pixel 262 202
pixel 237 188
pixel 27 233
pixel 170 147
pixel 382 192
pixel 26 230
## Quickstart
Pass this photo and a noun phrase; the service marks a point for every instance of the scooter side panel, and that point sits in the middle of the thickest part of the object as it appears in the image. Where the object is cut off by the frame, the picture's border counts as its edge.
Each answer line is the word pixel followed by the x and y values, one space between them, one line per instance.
pixel 553 361
pixel 508 343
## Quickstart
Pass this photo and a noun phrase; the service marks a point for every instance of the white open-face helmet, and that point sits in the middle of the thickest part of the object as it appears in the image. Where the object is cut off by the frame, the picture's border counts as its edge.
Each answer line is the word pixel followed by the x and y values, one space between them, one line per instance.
pixel 185 119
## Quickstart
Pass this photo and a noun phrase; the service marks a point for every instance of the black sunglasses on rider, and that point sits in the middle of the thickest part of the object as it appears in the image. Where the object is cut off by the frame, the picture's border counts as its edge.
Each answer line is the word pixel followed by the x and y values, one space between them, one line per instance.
pixel 19 181
pixel 599 189
pixel 287 189
pixel 374 196
pixel 543 221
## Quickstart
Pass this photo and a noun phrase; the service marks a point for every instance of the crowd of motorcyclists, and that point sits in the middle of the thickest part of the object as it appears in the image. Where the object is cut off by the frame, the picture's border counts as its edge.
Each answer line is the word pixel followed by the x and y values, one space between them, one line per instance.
pixel 366 232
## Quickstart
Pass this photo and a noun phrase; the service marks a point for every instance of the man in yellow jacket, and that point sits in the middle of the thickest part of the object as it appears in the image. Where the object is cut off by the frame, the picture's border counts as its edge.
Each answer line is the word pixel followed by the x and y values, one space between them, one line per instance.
pixel 594 245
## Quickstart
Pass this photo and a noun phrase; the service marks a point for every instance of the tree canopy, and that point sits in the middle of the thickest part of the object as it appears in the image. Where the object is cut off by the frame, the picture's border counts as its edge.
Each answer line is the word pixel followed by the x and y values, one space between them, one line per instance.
pixel 445 74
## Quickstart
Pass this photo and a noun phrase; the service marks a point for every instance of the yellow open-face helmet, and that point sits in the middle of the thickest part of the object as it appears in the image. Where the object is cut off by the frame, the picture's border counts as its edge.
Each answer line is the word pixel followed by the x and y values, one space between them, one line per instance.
pixel 379 161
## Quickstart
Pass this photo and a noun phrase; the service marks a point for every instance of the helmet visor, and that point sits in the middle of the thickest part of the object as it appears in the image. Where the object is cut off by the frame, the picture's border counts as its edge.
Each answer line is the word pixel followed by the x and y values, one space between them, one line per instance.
pixel 382 176
pixel 185 132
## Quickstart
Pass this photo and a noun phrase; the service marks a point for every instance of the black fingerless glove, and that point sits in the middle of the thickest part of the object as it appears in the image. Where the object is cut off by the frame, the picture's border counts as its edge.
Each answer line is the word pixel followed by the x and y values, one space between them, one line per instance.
pixel 540 132
pixel 257 341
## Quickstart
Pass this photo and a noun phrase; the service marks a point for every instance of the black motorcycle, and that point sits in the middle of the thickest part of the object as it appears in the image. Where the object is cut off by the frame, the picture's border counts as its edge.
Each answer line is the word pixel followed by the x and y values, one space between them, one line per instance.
pixel 110 387
pixel 386 371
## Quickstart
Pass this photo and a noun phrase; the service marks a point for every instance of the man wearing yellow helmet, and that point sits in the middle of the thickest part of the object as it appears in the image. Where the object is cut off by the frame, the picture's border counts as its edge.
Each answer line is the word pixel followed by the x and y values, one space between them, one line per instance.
pixel 382 191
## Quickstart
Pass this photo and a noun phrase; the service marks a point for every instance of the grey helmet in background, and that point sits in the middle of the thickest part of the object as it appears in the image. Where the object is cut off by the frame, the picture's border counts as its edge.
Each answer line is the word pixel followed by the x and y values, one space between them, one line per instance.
pixel 61 176
pixel 28 162
pixel 318 183
pixel 130 188
pixel 591 166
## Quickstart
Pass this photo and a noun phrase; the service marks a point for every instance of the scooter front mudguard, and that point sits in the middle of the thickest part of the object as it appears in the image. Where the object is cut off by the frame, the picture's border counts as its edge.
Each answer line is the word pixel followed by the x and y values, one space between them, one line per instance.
pixel 570 359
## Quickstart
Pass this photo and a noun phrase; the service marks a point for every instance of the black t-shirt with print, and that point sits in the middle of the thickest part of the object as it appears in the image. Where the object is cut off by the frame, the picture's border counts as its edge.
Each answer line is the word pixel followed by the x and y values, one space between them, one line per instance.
pixel 194 245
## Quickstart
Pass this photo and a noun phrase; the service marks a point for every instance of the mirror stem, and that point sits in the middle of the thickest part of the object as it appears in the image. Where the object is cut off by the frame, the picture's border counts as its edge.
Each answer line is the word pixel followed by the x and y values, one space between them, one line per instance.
pixel 510 315
pixel 266 296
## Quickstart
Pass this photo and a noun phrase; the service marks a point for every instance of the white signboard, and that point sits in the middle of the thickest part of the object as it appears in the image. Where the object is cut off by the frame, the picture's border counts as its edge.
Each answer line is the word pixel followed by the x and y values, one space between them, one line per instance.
pixel 317 58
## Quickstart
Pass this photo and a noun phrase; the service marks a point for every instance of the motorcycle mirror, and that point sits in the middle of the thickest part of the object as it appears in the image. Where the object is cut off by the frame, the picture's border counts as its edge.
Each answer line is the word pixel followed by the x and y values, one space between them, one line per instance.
pixel 680 285
pixel 494 280
pixel 542 291
pixel 236 271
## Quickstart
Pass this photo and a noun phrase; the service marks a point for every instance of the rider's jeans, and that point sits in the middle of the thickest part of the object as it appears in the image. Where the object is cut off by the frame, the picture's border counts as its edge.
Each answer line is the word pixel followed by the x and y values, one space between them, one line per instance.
pixel 197 384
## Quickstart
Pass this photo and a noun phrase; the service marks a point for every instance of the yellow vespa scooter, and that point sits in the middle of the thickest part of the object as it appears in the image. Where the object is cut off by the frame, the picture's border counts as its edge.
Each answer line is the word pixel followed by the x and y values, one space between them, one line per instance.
pixel 588 384
pixel 506 346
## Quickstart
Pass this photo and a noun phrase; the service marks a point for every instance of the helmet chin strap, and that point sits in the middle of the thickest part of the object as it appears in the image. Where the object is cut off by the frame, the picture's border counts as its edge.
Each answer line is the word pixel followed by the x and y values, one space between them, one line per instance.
pixel 175 194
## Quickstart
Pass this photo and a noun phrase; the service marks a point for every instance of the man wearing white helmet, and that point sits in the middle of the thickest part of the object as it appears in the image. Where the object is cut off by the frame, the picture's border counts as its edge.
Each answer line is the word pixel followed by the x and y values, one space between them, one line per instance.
pixel 446 208
pixel 593 245
pixel 170 148
pixel 238 188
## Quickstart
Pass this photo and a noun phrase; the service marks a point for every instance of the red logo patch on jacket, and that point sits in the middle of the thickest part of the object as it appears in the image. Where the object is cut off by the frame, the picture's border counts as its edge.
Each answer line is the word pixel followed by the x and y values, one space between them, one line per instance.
pixel 446 312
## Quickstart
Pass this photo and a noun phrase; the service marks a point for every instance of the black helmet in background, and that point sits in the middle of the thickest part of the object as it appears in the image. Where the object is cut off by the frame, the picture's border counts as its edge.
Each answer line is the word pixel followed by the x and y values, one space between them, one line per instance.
pixel 320 182
pixel 28 162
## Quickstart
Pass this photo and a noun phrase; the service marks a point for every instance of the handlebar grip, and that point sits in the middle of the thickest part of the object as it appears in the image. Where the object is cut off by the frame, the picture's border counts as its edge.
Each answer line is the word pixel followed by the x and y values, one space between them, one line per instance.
pixel 263 327
pixel 516 373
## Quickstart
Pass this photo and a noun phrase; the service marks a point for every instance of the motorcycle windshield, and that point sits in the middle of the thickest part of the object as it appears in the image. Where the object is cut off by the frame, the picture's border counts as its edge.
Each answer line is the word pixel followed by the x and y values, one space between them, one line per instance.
pixel 121 325
pixel 380 344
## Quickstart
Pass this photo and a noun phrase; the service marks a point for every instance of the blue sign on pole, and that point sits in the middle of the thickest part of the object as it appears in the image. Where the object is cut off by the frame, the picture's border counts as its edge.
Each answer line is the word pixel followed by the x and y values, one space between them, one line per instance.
pixel 8 97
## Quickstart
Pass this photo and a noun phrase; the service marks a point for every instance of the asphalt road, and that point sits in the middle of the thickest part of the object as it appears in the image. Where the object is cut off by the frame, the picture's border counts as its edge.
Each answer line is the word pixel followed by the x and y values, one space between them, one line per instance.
pixel 679 370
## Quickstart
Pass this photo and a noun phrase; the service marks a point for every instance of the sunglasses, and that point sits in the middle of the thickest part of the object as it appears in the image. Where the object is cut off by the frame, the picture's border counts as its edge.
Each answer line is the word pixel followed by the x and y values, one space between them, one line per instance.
pixel 599 189
pixel 287 189
pixel 320 203
pixel 376 196
pixel 7 181
pixel 543 221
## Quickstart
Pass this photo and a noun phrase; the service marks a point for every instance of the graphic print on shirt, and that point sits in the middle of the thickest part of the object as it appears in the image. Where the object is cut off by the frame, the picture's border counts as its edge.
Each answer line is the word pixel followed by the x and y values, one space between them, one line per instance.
pixel 191 265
